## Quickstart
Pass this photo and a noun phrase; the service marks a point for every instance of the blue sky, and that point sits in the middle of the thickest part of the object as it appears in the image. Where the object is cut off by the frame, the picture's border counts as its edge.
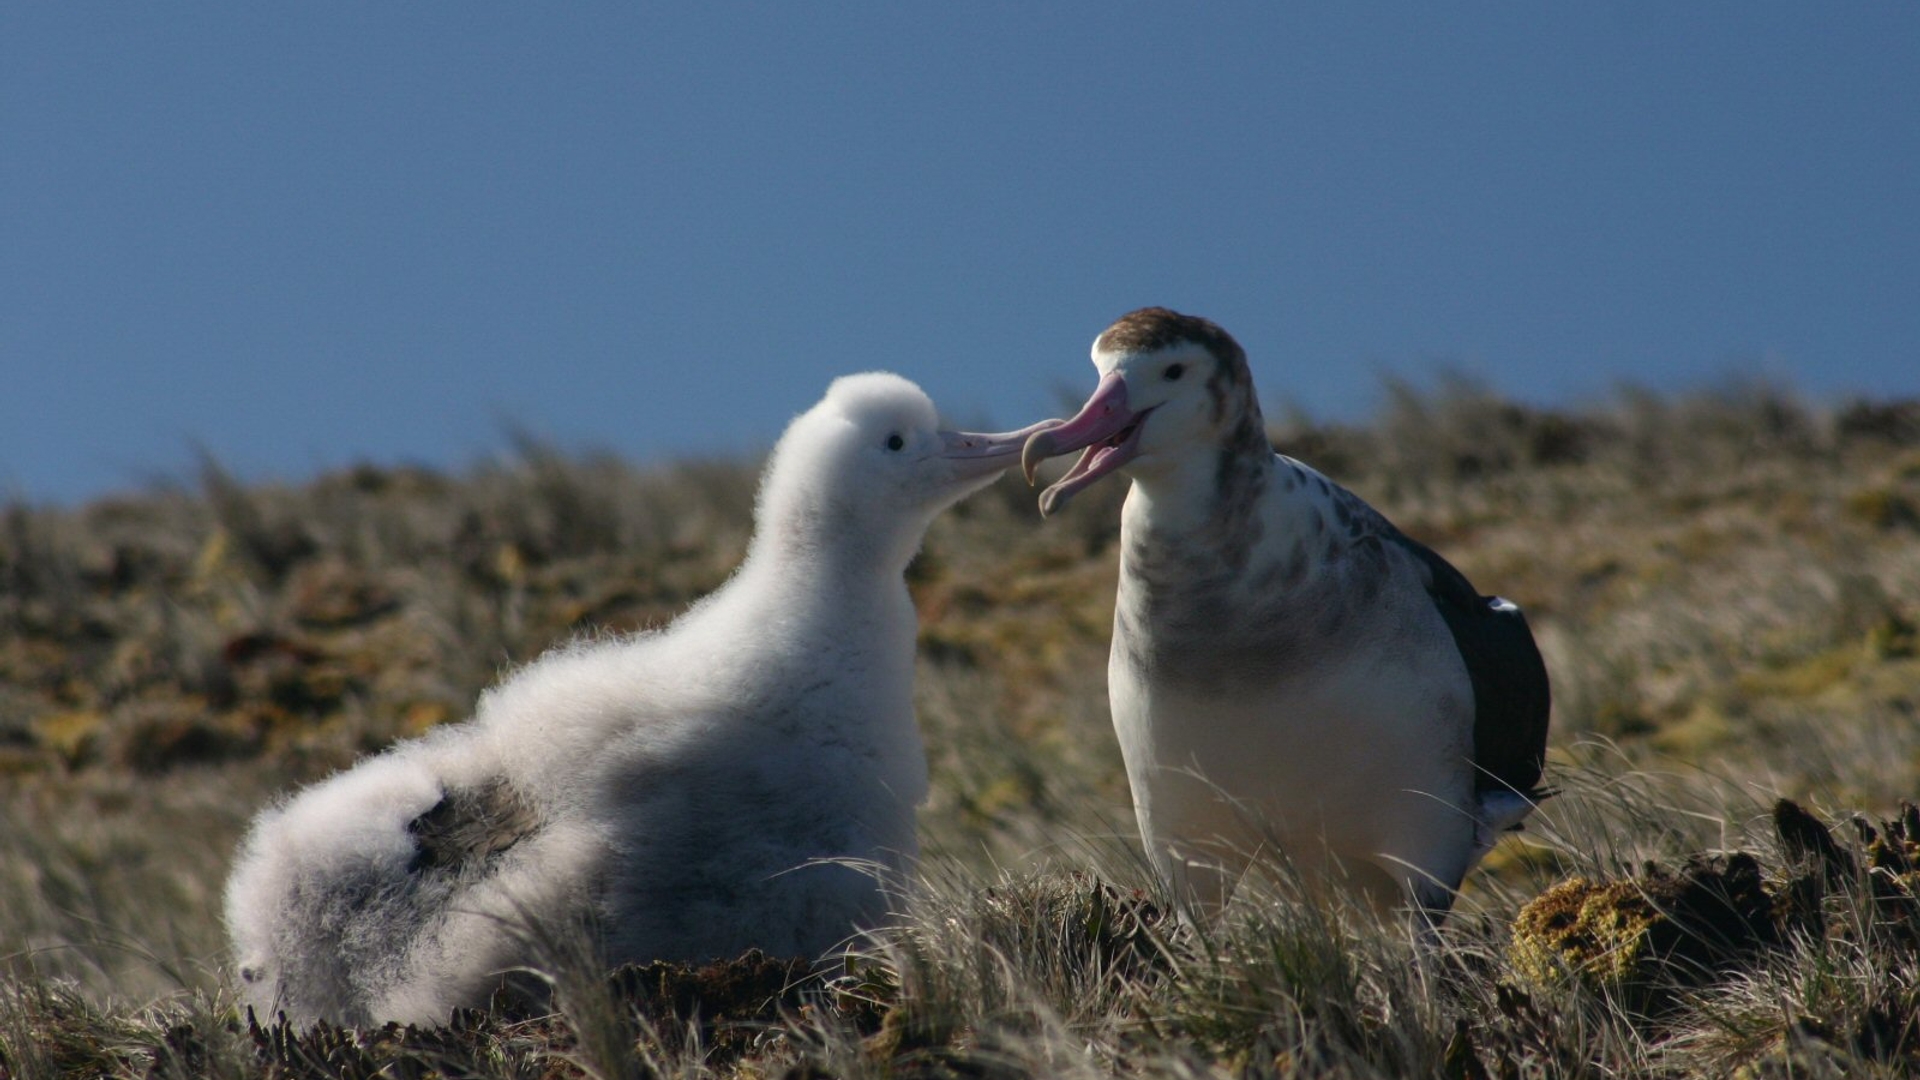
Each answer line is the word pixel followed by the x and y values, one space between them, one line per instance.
pixel 305 235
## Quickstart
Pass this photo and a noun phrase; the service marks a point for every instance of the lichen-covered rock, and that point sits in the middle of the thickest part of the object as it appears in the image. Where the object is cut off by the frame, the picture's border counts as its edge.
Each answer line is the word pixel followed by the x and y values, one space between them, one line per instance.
pixel 1638 936
pixel 1641 937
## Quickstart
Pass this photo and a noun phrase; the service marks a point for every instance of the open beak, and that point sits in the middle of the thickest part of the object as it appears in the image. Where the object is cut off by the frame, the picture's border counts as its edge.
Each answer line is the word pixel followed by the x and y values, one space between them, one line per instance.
pixel 975 454
pixel 1105 428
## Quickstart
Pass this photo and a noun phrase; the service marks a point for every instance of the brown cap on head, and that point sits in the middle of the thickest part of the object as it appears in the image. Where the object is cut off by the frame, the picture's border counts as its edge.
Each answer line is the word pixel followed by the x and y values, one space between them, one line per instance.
pixel 1152 328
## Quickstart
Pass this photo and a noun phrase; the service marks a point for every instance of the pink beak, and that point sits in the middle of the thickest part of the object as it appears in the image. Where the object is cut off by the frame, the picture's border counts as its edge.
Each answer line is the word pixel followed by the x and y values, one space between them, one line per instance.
pixel 976 454
pixel 1104 427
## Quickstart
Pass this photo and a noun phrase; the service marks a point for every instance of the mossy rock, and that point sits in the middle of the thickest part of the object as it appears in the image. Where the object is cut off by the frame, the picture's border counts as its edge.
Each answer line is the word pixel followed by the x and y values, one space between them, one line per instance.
pixel 1642 936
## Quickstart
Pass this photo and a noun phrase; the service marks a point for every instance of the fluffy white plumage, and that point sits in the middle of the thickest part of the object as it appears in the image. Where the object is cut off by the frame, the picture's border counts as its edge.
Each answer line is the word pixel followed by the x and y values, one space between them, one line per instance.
pixel 675 792
pixel 1288 669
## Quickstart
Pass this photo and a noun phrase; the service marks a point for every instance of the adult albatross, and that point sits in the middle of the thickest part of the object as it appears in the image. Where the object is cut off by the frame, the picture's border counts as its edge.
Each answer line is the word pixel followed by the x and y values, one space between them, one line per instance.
pixel 1289 670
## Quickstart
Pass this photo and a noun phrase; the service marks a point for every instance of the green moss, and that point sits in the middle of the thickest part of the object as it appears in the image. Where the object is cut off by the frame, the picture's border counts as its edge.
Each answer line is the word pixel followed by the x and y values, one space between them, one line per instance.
pixel 1637 938
pixel 1597 929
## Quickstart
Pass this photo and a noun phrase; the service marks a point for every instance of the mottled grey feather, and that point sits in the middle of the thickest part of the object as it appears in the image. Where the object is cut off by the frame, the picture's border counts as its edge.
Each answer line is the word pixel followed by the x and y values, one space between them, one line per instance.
pixel 469 828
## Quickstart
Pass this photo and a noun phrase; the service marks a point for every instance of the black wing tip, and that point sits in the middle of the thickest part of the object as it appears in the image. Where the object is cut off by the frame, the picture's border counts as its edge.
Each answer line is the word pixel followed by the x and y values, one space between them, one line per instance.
pixel 1487 781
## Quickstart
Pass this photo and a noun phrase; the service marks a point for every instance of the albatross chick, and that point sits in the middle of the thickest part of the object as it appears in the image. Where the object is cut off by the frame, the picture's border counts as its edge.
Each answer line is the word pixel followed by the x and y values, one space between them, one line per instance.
pixel 684 794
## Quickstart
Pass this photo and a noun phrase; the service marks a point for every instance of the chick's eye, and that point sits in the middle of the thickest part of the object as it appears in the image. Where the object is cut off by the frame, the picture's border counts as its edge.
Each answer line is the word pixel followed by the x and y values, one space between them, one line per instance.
pixel 895 442
pixel 1174 372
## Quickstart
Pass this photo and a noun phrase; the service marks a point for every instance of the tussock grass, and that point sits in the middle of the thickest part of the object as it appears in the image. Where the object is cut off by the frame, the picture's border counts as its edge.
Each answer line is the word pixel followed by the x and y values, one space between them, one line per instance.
pixel 1726 585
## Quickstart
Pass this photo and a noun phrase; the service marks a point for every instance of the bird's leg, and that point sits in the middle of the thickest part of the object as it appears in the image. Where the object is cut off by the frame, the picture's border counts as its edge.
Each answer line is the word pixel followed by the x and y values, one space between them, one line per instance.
pixel 1203 881
pixel 1431 903
pixel 1431 899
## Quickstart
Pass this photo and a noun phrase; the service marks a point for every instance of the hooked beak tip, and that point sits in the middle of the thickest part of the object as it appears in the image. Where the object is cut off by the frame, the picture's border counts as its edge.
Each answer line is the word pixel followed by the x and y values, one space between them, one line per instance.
pixel 1038 449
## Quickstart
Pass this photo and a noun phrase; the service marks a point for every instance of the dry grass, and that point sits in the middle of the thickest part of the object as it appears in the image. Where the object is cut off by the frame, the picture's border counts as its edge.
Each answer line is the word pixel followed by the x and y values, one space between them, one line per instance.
pixel 1727 588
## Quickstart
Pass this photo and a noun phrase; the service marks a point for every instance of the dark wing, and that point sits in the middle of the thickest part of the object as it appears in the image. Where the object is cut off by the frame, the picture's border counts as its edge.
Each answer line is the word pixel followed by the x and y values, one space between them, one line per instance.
pixel 1511 698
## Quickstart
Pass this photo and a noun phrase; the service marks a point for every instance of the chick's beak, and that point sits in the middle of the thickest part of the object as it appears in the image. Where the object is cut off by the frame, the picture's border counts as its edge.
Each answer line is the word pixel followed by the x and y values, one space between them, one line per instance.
pixel 978 454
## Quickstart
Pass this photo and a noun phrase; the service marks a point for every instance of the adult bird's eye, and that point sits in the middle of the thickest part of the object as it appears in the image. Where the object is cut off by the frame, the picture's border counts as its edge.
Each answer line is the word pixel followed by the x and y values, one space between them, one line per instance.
pixel 895 442
pixel 1174 371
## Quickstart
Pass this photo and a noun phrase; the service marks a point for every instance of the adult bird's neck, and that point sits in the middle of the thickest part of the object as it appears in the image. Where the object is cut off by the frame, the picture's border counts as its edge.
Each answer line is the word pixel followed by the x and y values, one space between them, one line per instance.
pixel 1232 522
pixel 1192 530
pixel 1211 493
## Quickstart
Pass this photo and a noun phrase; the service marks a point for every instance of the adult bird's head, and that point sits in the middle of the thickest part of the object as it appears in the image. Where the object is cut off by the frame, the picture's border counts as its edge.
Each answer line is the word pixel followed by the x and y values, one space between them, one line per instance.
pixel 1170 385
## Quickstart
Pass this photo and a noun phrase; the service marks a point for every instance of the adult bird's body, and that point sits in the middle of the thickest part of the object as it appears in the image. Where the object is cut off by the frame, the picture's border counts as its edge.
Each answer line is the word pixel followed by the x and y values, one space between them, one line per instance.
pixel 684 794
pixel 1288 669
